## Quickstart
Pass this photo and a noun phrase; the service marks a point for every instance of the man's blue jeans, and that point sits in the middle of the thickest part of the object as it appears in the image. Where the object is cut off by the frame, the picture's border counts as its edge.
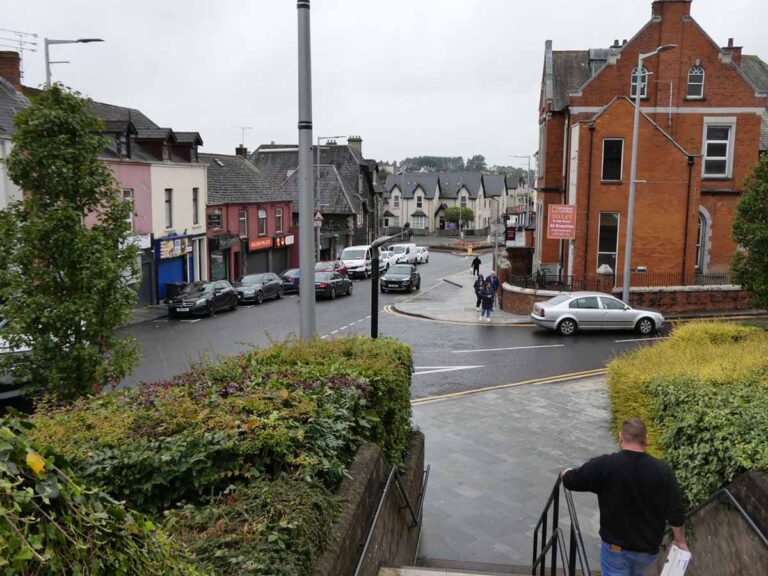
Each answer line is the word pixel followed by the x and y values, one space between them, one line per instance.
pixel 623 562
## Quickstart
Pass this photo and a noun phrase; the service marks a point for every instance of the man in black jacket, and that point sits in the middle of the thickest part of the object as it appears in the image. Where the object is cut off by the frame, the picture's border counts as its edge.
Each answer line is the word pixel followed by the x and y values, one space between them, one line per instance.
pixel 637 495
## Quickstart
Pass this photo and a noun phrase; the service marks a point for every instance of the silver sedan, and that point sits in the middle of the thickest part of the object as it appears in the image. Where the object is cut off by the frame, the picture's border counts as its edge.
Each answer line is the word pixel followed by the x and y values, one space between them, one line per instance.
pixel 568 313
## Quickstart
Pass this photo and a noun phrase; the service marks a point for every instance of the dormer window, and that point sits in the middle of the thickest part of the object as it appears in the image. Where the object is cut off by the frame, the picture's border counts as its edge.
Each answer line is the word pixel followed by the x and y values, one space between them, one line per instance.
pixel 122 145
pixel 463 201
pixel 419 201
pixel 166 152
pixel 695 82
pixel 642 79
pixel 396 200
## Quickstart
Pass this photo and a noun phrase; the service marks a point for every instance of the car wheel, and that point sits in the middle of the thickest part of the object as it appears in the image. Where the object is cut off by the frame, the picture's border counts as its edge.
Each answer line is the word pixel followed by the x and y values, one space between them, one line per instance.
pixel 259 297
pixel 418 285
pixel 349 290
pixel 383 291
pixel 209 311
pixel 279 294
pixel 567 327
pixel 645 326
pixel 427 259
pixel 410 288
pixel 233 306
pixel 333 293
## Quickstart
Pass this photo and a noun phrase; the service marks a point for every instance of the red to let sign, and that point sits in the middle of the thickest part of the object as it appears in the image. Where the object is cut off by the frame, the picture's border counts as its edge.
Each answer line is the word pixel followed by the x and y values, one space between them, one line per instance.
pixel 561 224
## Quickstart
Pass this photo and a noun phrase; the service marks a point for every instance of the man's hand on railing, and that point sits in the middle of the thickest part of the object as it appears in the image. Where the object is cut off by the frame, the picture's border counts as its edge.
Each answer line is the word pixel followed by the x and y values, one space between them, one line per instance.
pixel 564 472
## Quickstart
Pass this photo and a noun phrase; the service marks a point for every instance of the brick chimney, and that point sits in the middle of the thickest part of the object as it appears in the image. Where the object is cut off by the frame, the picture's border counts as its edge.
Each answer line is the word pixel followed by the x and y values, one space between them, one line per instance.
pixel 10 68
pixel 241 151
pixel 671 9
pixel 734 51
pixel 357 143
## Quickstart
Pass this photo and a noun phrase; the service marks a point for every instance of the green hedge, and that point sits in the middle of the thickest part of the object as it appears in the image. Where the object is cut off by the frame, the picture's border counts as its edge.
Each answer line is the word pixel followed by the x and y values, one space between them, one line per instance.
pixel 213 436
pixel 704 395
pixel 51 523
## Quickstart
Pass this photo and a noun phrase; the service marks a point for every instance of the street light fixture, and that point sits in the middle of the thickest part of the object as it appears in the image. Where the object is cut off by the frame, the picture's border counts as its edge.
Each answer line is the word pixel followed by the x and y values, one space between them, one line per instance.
pixel 48 62
pixel 641 81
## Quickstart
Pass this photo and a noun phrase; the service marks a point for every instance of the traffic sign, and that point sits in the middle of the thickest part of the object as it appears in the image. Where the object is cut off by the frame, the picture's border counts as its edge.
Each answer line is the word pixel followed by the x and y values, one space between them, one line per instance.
pixel 318 216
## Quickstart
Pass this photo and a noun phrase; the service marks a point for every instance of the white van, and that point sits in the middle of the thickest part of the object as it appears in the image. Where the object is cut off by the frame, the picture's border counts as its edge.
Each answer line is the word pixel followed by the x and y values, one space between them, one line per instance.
pixel 405 253
pixel 357 259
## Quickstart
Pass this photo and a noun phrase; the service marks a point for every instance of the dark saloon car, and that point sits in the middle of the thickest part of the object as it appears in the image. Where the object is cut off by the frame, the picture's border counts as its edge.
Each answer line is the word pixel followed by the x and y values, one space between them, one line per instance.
pixel 11 394
pixel 254 288
pixel 331 284
pixel 290 280
pixel 203 298
pixel 332 266
pixel 403 277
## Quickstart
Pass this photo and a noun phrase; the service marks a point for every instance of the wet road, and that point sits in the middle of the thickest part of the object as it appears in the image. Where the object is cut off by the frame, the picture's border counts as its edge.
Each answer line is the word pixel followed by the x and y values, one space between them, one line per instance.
pixel 448 357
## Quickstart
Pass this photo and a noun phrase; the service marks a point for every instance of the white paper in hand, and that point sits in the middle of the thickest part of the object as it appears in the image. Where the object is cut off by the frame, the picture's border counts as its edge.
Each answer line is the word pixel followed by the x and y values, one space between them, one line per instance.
pixel 677 562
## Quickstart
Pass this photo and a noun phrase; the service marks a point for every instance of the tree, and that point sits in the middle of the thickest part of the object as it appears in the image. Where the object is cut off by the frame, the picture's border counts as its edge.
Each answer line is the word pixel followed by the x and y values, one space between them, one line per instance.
pixel 452 215
pixel 476 163
pixel 63 284
pixel 750 232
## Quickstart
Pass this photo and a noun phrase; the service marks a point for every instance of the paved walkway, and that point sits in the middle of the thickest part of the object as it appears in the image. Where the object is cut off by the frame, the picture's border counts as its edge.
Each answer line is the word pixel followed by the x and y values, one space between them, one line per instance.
pixel 495 457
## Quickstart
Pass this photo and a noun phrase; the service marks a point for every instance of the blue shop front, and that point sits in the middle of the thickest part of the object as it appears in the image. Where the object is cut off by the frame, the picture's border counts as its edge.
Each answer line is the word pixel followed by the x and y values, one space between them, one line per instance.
pixel 179 259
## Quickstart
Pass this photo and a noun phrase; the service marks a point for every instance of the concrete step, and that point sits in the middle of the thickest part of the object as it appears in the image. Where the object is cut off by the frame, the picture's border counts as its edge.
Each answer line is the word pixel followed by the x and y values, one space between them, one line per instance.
pixel 433 571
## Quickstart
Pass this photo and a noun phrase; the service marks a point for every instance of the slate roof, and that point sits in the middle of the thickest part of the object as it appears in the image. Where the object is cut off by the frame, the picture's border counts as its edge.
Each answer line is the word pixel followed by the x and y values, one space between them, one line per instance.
pixel 11 102
pixel 111 112
pixel 335 195
pixel 234 180
pixel 451 182
pixel 189 138
pixel 418 213
pixel 512 182
pixel 756 70
pixel 494 185
pixel 157 134
pixel 570 70
pixel 428 182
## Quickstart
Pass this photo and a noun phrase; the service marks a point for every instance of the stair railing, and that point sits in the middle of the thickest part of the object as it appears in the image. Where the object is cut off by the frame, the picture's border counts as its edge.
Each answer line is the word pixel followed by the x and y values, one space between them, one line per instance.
pixel 553 543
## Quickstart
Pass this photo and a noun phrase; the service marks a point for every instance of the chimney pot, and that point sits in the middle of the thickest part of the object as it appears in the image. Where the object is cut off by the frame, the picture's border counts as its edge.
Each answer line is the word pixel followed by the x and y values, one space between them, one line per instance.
pixel 730 42
pixel 241 151
pixel 10 68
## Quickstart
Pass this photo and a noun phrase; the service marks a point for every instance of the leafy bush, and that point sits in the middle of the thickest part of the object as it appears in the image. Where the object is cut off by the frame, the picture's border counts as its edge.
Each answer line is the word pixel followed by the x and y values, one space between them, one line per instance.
pixel 272 528
pixel 50 523
pixel 704 396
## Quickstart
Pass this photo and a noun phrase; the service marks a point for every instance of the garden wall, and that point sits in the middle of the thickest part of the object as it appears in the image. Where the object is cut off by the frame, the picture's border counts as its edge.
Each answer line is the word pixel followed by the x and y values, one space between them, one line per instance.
pixel 395 539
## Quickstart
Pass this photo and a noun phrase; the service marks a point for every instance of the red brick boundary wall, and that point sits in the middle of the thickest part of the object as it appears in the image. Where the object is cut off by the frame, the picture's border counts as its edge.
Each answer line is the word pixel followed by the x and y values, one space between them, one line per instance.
pixel 667 299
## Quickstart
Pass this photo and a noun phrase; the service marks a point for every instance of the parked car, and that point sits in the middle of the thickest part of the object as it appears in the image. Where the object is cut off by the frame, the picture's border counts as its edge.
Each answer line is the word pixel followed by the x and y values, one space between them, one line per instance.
pixel 254 288
pixel 203 298
pixel 332 266
pixel 403 277
pixel 386 259
pixel 357 259
pixel 406 253
pixel 290 280
pixel 422 254
pixel 568 313
pixel 10 387
pixel 331 284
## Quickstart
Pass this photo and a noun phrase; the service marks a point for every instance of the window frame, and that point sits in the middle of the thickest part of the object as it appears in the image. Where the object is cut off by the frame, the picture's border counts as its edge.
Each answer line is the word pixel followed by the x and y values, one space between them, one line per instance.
pixel 621 161
pixel 421 220
pixel 618 237
pixel 462 200
pixel 635 80
pixel 419 201
pixel 278 219
pixel 195 206
pixel 128 197
pixel 396 200
pixel 695 69
pixel 262 216
pixel 242 219
pixel 168 203
pixel 718 122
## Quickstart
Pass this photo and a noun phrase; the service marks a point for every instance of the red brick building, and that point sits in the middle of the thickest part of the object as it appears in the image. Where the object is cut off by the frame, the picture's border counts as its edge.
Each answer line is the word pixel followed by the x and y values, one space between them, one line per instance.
pixel 703 124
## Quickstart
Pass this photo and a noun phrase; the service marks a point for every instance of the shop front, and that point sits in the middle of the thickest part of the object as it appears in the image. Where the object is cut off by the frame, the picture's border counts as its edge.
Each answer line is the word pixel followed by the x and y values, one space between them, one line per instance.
pixel 224 250
pixel 269 254
pixel 178 259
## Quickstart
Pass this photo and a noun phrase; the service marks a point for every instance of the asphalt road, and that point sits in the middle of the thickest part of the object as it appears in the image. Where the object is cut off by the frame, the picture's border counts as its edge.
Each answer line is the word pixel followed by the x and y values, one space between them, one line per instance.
pixel 447 357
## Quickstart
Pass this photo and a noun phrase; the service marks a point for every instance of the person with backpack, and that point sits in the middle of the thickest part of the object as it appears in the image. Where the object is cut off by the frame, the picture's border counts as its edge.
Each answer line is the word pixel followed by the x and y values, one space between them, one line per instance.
pixel 493 280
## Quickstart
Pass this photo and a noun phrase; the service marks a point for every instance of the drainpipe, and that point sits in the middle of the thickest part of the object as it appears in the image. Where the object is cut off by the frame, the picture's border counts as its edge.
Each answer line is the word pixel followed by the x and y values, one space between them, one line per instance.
pixel 589 197
pixel 687 216
pixel 566 161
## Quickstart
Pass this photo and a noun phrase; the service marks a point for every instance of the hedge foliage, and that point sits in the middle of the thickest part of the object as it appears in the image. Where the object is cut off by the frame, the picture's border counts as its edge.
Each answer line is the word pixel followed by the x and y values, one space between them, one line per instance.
pixel 51 523
pixel 253 431
pixel 704 396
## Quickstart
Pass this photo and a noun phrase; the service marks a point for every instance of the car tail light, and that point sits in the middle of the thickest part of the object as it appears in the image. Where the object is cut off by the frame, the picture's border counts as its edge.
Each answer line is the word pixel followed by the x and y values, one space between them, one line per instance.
pixel 323 285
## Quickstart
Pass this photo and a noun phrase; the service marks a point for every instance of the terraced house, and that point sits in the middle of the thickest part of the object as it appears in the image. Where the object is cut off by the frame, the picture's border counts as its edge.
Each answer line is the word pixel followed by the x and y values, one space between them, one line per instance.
pixel 703 123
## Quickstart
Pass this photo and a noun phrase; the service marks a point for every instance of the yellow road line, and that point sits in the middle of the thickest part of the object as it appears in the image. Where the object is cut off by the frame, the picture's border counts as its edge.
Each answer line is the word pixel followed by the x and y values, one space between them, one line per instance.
pixel 547 380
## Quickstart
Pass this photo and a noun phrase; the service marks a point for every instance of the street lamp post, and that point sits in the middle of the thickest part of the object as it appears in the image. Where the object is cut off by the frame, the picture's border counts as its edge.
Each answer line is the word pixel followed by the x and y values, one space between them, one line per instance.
pixel 317 193
pixel 375 280
pixel 641 81
pixel 48 62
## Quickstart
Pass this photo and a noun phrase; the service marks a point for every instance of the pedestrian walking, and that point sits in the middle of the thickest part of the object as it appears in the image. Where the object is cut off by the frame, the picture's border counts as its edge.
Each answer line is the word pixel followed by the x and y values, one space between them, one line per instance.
pixel 487 296
pixel 637 495
pixel 493 280
pixel 478 286
pixel 476 266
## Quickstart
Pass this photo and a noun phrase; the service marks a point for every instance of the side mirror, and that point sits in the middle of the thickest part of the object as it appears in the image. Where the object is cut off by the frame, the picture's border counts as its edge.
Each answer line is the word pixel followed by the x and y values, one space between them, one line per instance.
pixel 218 291
pixel 627 307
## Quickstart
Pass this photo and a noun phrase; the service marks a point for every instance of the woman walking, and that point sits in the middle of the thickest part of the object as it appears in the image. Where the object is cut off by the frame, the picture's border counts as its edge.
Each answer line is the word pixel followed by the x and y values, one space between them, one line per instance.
pixel 487 296
pixel 479 285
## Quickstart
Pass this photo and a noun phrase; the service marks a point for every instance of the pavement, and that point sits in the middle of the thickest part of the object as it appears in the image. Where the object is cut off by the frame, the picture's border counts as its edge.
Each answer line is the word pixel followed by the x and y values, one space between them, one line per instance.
pixel 148 314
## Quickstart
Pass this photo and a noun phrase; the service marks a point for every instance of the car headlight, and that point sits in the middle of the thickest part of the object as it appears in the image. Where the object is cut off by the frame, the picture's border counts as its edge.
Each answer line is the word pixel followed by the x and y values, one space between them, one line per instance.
pixel 201 302
pixel 249 292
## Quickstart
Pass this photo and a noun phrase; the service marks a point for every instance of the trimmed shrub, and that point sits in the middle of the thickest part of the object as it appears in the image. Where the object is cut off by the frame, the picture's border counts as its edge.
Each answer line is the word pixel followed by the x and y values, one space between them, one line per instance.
pixel 51 523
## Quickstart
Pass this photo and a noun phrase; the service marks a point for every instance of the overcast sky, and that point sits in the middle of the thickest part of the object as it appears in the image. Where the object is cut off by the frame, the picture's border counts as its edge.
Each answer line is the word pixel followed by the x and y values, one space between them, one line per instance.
pixel 411 77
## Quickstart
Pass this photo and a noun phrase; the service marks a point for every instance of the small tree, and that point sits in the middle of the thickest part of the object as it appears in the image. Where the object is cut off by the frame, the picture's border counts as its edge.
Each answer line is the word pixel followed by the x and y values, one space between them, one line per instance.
pixel 455 214
pixel 62 284
pixel 476 163
pixel 750 232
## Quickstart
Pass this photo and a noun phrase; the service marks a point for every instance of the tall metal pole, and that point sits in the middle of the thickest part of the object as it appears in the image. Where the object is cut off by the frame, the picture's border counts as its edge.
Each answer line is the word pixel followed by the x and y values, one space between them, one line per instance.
pixel 317 202
pixel 47 63
pixel 306 221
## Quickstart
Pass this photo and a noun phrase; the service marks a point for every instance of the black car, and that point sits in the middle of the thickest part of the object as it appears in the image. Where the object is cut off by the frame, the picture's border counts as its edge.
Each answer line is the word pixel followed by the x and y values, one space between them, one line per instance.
pixel 11 393
pixel 330 284
pixel 203 298
pixel 254 288
pixel 290 280
pixel 403 277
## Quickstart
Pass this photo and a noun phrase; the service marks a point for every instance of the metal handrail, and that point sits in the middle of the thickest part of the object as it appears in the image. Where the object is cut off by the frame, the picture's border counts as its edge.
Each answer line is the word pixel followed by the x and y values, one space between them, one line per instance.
pixel 727 493
pixel 416 515
pixel 576 545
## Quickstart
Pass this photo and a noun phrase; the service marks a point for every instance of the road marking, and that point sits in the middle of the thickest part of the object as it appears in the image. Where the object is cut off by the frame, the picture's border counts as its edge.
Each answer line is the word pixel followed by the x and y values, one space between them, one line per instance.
pixel 344 327
pixel 436 369
pixel 548 380
pixel 512 348
pixel 643 339
pixel 324 337
pixel 190 321
pixel 368 317
pixel 335 332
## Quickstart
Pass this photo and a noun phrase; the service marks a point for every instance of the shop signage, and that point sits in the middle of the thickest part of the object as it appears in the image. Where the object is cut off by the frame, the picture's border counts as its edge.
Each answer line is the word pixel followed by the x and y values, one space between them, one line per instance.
pixel 173 248
pixel 510 234
pixel 214 220
pixel 260 243
pixel 283 241
pixel 561 224
pixel 224 241
pixel 141 241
